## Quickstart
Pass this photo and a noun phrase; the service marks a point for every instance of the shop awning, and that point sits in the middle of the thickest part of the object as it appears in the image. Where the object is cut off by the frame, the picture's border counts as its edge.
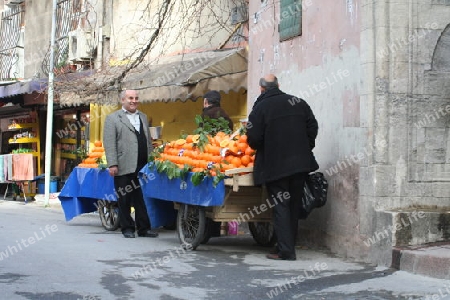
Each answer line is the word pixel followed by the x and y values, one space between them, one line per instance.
pixel 23 87
pixel 12 109
pixel 180 77
pixel 190 75
pixel 38 85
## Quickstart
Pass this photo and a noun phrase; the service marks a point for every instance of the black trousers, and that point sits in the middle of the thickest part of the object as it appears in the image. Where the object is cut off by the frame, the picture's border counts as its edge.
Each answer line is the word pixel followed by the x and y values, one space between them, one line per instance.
pixel 285 195
pixel 129 194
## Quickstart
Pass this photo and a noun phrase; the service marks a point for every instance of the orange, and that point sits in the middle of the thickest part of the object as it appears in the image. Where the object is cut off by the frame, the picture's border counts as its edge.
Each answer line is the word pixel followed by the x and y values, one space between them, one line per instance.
pixel 187 153
pixel 98 144
pixel 228 158
pixel 234 149
pixel 243 139
pixel 242 146
pixel 98 149
pixel 196 154
pixel 236 161
pixel 208 148
pixel 90 160
pixel 217 140
pixel 216 158
pixel 250 164
pixel 188 146
pixel 189 138
pixel 227 167
pixel 249 151
pixel 215 150
pixel 203 164
pixel 207 156
pixel 245 160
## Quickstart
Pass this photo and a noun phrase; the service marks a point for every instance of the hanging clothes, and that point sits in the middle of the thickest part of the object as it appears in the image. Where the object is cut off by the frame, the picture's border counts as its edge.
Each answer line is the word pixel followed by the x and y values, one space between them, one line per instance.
pixel 23 167
pixel 2 169
pixel 8 167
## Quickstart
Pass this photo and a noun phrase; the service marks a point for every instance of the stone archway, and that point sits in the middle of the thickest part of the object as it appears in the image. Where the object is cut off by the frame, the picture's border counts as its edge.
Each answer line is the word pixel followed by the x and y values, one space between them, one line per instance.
pixel 430 119
pixel 441 55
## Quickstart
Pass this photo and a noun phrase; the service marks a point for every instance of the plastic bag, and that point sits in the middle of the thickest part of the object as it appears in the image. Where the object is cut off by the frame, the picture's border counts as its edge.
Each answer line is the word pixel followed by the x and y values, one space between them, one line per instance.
pixel 314 193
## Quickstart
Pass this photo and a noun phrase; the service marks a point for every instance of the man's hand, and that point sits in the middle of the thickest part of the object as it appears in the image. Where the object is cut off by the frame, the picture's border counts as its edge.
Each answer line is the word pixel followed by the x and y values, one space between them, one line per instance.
pixel 113 170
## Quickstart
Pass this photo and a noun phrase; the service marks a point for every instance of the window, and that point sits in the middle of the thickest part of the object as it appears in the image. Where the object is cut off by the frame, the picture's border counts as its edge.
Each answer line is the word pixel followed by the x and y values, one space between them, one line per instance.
pixel 290 19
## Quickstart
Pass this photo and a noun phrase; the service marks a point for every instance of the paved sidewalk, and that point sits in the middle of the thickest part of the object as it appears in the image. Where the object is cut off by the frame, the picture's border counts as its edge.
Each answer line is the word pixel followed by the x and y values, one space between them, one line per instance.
pixel 224 268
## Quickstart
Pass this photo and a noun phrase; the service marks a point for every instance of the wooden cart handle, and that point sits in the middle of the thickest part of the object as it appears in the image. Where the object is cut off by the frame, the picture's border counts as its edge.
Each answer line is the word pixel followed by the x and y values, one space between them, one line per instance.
pixel 238 170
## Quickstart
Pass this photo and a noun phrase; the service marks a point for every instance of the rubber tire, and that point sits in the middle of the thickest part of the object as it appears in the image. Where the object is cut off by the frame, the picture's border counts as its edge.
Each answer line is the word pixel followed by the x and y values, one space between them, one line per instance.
pixel 208 231
pixel 191 228
pixel 263 233
pixel 109 215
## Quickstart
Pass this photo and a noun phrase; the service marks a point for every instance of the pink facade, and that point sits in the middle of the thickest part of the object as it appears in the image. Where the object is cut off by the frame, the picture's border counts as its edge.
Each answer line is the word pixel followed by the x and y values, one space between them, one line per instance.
pixel 322 66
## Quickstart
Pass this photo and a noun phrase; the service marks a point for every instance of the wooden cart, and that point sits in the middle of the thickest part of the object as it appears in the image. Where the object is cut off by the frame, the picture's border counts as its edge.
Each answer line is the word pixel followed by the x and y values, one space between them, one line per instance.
pixel 194 223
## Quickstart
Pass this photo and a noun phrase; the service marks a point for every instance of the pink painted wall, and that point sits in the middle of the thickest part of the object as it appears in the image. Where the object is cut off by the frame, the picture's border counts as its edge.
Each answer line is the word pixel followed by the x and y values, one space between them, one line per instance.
pixel 323 66
pixel 328 30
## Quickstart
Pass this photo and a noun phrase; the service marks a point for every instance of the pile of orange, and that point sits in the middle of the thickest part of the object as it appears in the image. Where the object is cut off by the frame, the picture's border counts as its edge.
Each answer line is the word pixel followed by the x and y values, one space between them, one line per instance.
pixel 221 153
pixel 91 161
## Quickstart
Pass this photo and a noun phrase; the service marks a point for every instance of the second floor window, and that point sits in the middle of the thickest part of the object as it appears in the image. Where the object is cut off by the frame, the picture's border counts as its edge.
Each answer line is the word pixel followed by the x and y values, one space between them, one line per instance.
pixel 290 19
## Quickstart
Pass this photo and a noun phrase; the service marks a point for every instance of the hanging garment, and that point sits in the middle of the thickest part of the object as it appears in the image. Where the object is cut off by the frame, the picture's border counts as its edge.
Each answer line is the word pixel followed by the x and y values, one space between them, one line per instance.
pixel 8 167
pixel 23 167
pixel 2 170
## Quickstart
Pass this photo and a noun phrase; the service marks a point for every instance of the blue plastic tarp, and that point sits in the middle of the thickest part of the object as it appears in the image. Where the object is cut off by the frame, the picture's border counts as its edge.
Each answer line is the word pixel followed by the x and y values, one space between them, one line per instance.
pixel 83 188
pixel 86 186
pixel 159 186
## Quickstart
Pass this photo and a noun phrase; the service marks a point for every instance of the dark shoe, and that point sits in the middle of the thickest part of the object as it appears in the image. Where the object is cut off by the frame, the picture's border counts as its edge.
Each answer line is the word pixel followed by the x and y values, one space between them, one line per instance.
pixel 128 234
pixel 149 233
pixel 277 257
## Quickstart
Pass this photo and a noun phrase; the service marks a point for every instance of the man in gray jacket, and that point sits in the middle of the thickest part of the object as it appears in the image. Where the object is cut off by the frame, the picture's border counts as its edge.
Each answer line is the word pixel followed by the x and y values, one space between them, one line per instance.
pixel 127 143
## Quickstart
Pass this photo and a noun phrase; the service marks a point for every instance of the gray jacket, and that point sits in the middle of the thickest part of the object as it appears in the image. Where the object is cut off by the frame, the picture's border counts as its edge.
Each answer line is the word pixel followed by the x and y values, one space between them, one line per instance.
pixel 120 141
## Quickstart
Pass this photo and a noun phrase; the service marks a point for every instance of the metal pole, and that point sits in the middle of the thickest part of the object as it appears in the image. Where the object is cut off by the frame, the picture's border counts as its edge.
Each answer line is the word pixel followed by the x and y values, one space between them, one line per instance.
pixel 49 129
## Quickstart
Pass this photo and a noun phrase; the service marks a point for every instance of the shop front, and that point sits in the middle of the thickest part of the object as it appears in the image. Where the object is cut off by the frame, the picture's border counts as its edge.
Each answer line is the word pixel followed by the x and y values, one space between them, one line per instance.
pixel 23 132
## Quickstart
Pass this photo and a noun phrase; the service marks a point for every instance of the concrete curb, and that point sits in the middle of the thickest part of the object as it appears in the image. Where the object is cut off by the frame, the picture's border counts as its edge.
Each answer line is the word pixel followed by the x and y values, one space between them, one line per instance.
pixel 432 260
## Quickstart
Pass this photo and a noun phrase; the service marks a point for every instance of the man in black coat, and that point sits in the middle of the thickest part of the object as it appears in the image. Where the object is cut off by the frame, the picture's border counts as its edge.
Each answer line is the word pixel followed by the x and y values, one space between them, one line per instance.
pixel 212 109
pixel 282 129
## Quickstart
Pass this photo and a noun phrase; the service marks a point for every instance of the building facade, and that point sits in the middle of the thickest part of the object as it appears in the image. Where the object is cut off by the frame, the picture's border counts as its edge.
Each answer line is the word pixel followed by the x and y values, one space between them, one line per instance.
pixel 376 74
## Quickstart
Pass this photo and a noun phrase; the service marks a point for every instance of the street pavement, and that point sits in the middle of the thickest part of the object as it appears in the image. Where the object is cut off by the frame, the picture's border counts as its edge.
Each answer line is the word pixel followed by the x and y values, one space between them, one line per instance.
pixel 44 257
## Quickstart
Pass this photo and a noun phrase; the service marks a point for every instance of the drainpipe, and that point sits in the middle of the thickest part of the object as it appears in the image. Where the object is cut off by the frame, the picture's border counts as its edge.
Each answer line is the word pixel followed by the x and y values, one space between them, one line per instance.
pixel 99 59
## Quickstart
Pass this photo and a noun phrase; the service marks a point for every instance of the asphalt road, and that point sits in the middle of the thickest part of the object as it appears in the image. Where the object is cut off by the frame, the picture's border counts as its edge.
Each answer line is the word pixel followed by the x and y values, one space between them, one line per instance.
pixel 44 257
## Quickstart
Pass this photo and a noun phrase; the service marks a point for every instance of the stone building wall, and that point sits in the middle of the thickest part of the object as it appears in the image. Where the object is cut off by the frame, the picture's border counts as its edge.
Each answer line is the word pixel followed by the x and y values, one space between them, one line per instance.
pixel 384 128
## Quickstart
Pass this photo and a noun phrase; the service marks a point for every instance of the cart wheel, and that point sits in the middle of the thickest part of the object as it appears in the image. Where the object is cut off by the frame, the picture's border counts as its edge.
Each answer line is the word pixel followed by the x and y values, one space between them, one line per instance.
pixel 109 215
pixel 263 233
pixel 191 225
pixel 208 230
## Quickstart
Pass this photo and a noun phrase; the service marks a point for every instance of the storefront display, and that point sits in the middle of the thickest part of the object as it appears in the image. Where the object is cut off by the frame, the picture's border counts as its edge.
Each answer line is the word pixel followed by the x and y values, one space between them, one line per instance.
pixel 23 136
pixel 72 140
